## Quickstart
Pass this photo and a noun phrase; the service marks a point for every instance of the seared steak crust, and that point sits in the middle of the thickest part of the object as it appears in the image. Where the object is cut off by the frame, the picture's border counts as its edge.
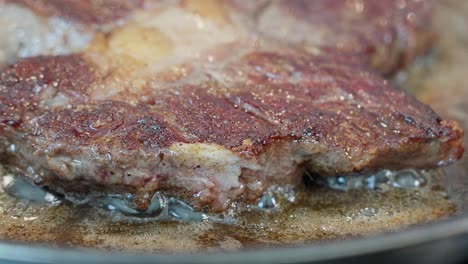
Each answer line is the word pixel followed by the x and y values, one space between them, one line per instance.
pixel 225 128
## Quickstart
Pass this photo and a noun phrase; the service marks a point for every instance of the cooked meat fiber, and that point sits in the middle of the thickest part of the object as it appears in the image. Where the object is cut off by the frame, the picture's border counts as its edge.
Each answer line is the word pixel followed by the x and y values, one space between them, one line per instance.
pixel 386 34
pixel 206 114
pixel 389 33
pixel 210 130
pixel 40 27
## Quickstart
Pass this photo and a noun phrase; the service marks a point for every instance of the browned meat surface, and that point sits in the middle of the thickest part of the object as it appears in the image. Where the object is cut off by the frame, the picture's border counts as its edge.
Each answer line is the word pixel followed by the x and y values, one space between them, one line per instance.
pixel 210 129
pixel 388 33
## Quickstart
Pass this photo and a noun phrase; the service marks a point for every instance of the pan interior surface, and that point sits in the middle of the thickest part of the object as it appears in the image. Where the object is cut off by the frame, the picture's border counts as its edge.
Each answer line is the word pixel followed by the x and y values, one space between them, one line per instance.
pixel 321 224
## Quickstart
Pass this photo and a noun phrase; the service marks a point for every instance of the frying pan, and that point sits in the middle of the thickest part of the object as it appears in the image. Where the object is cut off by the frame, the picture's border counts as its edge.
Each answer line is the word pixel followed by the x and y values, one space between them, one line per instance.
pixel 443 241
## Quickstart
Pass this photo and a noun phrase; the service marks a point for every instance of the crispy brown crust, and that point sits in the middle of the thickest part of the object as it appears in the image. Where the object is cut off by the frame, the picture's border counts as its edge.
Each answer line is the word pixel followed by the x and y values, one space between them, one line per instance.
pixel 339 106
pixel 95 12
pixel 312 111
pixel 21 83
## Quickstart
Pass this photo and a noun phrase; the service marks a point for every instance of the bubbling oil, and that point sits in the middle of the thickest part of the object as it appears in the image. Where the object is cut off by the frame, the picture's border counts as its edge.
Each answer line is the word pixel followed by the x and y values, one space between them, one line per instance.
pixel 335 208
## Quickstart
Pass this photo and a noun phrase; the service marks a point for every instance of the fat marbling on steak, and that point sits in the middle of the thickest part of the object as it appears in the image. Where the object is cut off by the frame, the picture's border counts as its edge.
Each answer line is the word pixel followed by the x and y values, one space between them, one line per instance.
pixel 202 112
pixel 387 34
pixel 51 27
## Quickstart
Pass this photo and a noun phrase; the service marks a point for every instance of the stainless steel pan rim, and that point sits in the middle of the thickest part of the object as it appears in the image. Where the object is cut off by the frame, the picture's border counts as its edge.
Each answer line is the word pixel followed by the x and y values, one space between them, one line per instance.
pixel 329 251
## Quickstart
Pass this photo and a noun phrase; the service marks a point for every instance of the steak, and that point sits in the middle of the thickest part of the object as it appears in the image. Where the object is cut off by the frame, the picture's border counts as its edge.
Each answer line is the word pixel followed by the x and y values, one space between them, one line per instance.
pixel 211 128
pixel 386 35
pixel 196 107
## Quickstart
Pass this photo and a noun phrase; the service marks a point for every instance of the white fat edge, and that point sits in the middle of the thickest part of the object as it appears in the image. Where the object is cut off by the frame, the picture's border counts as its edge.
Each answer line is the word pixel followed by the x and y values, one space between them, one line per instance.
pixel 289 27
pixel 194 39
pixel 191 33
pixel 192 36
pixel 25 34
pixel 201 161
